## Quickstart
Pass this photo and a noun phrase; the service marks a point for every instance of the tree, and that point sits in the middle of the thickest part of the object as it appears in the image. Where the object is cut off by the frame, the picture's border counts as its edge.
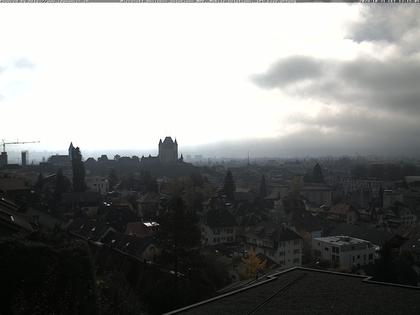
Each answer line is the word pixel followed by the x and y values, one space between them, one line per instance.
pixel 359 171
pixel 39 184
pixel 179 238
pixel 112 179
pixel 229 187
pixel 46 274
pixel 263 187
pixel 317 176
pixel 377 171
pixel 253 265
pixel 409 169
pixel 394 268
pixel 178 233
pixel 79 184
pixel 62 185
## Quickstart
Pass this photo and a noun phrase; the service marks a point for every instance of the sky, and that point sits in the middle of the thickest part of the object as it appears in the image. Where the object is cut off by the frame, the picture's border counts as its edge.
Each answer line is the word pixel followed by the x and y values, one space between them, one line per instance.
pixel 224 79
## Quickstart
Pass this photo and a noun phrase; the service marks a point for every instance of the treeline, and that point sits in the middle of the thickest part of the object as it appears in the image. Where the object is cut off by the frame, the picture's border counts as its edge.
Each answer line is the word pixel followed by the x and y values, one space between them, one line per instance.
pixel 46 275
pixel 388 171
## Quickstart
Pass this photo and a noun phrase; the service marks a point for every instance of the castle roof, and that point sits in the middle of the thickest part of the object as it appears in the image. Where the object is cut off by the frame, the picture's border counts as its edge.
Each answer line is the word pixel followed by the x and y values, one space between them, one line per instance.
pixel 168 140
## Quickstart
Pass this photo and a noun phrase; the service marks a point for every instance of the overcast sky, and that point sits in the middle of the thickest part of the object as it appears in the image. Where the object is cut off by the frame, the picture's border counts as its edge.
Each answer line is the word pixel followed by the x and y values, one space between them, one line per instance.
pixel 224 79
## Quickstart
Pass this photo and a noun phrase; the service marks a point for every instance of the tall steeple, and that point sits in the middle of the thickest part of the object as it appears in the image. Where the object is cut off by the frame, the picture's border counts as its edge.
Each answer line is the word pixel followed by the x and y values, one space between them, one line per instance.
pixel 71 150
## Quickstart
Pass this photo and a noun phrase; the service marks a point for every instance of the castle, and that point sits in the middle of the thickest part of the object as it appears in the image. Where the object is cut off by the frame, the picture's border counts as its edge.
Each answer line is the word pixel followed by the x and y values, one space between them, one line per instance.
pixel 168 150
pixel 168 153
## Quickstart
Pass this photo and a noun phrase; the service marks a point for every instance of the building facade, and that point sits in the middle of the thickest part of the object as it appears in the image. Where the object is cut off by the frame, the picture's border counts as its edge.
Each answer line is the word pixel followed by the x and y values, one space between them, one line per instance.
pixel 343 251
pixel 98 183
pixel 217 227
pixel 168 150
pixel 280 244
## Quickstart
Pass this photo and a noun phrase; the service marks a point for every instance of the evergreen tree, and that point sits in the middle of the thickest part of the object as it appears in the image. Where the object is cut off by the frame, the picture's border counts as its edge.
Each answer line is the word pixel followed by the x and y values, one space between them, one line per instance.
pixel 229 187
pixel 317 176
pixel 39 184
pixel 79 184
pixel 112 179
pixel 263 188
pixel 62 185
pixel 178 234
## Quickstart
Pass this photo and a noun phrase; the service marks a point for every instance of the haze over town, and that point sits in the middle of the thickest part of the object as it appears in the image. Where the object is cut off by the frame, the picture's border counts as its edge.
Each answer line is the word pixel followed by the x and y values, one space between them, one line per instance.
pixel 208 159
pixel 279 81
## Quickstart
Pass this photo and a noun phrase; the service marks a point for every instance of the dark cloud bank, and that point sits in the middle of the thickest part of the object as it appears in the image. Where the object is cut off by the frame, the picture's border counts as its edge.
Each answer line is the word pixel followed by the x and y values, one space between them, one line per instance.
pixel 376 100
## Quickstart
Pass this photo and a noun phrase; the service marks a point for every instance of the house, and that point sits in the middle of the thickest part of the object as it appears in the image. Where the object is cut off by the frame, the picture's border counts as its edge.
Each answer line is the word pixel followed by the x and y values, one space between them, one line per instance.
pixel 88 229
pixel 12 186
pixel 269 201
pixel 97 183
pixel 11 221
pixel 277 242
pixel 78 200
pixel 218 226
pixel 400 215
pixel 149 205
pixel 310 291
pixel 117 215
pixel 390 197
pixel 343 212
pixel 344 252
pixel 141 229
pixel 62 161
pixel 143 248
pixel 317 194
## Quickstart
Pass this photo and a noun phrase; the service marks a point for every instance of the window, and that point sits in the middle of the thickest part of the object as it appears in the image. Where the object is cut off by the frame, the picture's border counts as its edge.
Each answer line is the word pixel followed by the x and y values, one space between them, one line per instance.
pixel 281 253
pixel 326 249
pixel 353 258
pixel 335 249
pixel 296 251
pixel 370 256
pixel 296 242
pixel 296 260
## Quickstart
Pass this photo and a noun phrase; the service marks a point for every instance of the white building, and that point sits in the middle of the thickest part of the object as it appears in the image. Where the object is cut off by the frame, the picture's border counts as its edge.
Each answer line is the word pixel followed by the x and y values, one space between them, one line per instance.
pixel 97 183
pixel 278 243
pixel 343 251
pixel 219 226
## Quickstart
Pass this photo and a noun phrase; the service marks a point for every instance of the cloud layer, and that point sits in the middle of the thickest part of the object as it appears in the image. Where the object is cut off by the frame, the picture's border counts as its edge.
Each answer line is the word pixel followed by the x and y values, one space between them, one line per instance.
pixel 371 102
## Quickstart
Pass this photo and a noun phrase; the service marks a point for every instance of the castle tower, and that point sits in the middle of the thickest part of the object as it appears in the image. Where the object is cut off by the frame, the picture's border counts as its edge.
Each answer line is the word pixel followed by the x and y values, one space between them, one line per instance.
pixel 168 150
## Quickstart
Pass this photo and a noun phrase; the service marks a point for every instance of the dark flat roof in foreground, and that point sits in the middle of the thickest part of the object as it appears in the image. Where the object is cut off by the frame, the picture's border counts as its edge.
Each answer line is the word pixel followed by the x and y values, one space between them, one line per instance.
pixel 310 291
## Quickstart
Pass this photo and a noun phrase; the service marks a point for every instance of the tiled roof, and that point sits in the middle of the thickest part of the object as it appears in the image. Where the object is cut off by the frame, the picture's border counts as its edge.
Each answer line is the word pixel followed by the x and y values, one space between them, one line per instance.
pixel 89 229
pixel 274 232
pixel 307 221
pixel 309 291
pixel 127 243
